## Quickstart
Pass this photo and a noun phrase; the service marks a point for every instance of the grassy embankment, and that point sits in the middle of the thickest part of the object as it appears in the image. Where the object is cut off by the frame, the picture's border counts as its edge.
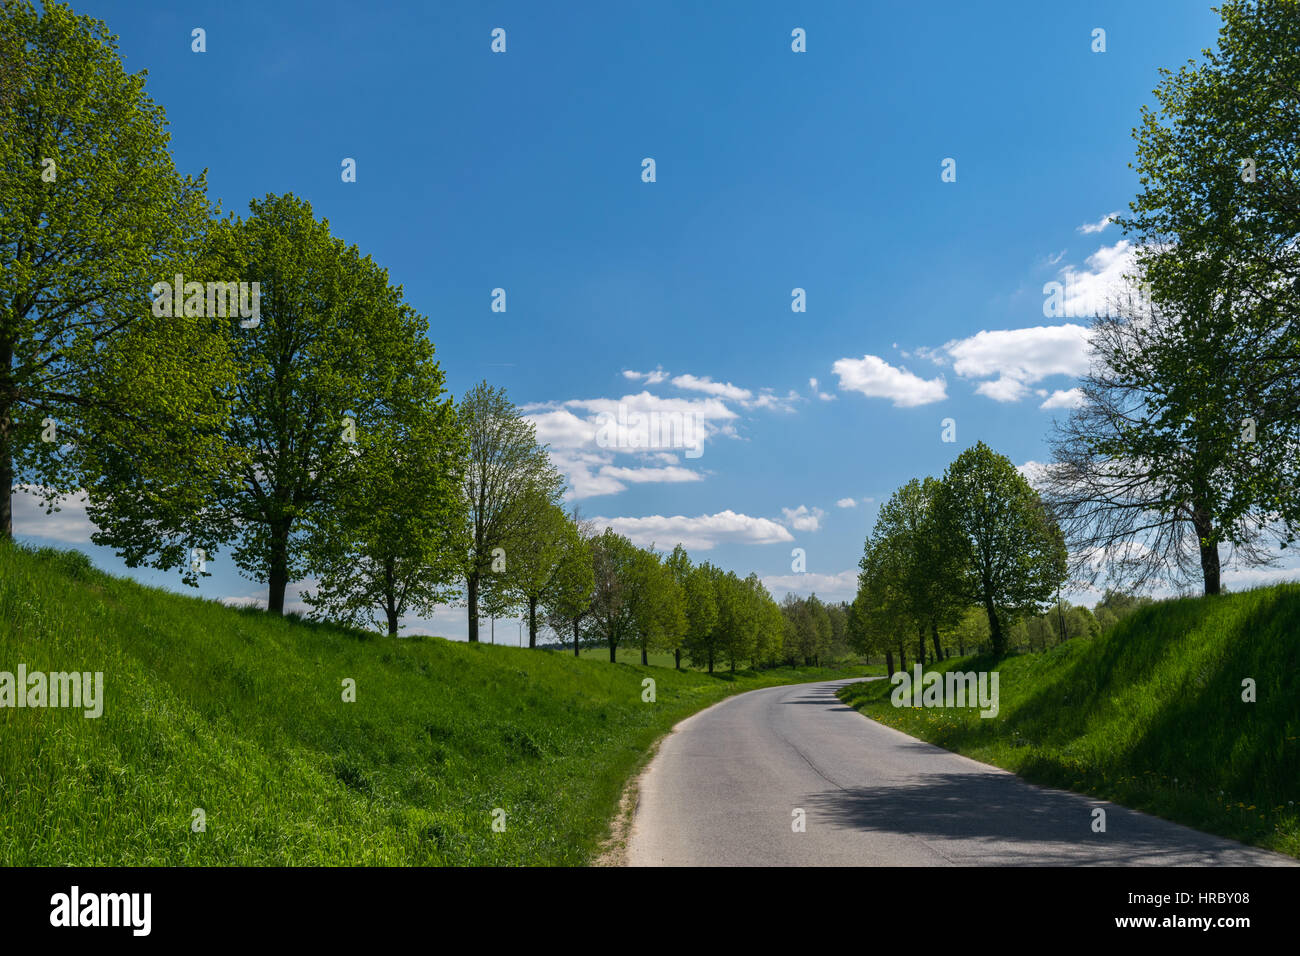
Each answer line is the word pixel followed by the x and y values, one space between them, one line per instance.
pixel 243 716
pixel 1149 715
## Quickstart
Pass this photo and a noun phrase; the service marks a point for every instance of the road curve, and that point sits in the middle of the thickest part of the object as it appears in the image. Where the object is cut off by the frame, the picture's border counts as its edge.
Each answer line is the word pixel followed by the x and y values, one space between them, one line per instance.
pixel 724 787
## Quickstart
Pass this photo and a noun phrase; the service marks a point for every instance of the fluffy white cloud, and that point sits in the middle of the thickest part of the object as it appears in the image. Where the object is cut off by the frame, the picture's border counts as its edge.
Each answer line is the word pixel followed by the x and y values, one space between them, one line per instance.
pixel 876 378
pixel 1064 398
pixel 700 533
pixel 1011 360
pixel 847 503
pixel 1099 288
pixel 1090 227
pixel 803 518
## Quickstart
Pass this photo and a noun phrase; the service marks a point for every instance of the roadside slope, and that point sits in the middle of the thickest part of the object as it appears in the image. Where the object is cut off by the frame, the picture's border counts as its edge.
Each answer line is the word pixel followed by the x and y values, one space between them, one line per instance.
pixel 242 716
pixel 1150 715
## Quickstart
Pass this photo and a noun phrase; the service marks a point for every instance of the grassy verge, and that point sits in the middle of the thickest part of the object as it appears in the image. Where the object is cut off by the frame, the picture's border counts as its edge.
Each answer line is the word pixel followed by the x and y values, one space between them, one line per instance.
pixel 1149 715
pixel 242 716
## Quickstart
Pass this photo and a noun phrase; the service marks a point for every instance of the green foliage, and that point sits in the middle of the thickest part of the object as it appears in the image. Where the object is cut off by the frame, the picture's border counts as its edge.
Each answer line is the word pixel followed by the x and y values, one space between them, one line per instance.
pixel 81 243
pixel 1010 548
pixel 509 482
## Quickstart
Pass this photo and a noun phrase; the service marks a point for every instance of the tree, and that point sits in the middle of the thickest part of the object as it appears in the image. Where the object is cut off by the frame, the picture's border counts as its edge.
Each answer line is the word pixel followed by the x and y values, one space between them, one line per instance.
pixel 612 605
pixel 534 557
pixel 704 646
pixel 657 604
pixel 1147 472
pixel 1011 548
pixel 389 542
pixel 331 349
pixel 1216 225
pixel 508 473
pixel 567 598
pixel 700 603
pixel 92 213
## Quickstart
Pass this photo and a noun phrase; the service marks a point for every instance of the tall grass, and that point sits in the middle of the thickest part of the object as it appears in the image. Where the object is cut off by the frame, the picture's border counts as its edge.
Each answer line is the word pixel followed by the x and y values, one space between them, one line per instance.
pixel 242 716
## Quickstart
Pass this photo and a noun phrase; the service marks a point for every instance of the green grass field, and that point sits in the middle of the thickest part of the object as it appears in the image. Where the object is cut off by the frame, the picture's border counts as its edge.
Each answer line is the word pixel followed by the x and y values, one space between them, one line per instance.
pixel 242 716
pixel 1149 715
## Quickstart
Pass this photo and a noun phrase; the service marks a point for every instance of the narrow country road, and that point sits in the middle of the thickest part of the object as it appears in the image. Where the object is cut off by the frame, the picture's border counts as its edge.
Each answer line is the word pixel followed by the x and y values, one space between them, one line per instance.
pixel 725 785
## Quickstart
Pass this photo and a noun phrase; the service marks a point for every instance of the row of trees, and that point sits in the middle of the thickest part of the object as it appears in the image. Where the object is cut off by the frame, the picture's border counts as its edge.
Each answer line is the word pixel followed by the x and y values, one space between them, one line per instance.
pixel 255 386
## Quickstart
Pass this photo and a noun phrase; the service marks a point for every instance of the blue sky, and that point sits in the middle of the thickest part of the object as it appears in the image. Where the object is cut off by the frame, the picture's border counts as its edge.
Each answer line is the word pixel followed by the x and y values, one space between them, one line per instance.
pixel 775 170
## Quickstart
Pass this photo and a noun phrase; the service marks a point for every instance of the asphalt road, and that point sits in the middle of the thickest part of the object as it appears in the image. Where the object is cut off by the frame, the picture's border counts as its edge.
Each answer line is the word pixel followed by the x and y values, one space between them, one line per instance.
pixel 725 785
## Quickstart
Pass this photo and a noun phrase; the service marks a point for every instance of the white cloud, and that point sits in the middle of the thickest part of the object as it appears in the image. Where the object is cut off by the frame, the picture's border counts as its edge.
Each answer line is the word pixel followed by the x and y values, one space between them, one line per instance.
pixel 846 503
pixel 700 533
pixel 69 524
pixel 1067 398
pixel 650 378
pixel 1099 288
pixel 1090 227
pixel 816 390
pixel 1034 472
pixel 876 378
pixel 639 476
pixel 1013 359
pixel 706 385
pixel 803 518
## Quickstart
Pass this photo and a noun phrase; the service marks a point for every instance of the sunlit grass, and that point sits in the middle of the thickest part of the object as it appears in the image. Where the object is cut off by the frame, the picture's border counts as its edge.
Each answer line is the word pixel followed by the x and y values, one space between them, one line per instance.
pixel 242 715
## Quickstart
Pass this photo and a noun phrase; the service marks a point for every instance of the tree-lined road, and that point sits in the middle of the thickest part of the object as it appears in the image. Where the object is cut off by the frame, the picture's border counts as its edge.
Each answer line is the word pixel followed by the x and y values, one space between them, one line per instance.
pixel 724 786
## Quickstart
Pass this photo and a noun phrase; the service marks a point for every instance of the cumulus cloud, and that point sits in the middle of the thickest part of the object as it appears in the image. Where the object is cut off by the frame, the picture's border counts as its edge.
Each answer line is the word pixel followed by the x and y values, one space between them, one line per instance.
pixel 876 378
pixel 847 503
pixel 1010 360
pixel 803 518
pixel 700 533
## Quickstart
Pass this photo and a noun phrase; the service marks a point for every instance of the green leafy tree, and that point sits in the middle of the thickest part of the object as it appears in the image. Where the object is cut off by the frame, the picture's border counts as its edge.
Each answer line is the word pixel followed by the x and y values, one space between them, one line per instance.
pixel 507 476
pixel 1216 225
pixel 92 214
pixel 567 597
pixel 613 607
pixel 323 364
pixel 1011 547
pixel 389 543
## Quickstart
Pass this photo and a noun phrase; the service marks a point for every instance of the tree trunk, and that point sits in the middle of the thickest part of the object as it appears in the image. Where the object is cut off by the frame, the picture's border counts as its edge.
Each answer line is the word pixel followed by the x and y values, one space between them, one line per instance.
pixel 471 589
pixel 612 649
pixel 1210 569
pixel 677 656
pixel 920 643
pixel 997 639
pixel 889 663
pixel 532 622
pixel 644 662
pixel 575 637
pixel 6 459
pixel 902 656
pixel 710 662
pixel 279 569
pixel 938 646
